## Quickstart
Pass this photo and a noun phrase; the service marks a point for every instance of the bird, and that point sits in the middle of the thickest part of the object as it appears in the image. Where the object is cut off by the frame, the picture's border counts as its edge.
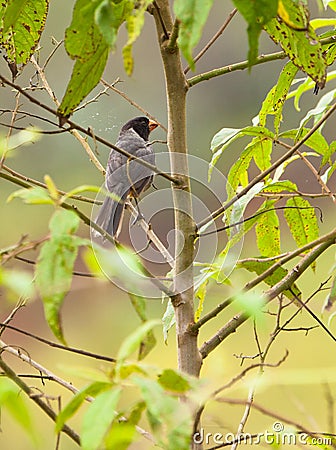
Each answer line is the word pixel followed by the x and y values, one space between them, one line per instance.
pixel 124 177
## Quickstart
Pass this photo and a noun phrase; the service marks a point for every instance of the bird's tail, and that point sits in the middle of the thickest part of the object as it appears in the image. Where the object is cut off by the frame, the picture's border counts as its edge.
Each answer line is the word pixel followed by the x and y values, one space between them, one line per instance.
pixel 111 214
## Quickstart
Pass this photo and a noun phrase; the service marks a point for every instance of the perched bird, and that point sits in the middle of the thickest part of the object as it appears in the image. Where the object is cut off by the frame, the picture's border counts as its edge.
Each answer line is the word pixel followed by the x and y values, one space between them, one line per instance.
pixel 126 178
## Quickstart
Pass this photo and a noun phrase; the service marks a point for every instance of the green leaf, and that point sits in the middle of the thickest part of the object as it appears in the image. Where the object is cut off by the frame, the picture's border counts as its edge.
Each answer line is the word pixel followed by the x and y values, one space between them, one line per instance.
pixel 262 148
pixel 120 436
pixel 172 381
pixel 12 401
pixel 280 186
pixel 320 108
pixel 251 303
pixel 268 231
pixel 226 136
pixel 278 275
pixel 76 402
pixel 133 341
pixel 85 76
pixel 302 221
pixel 109 16
pixel 192 15
pixel 32 196
pixel 168 320
pixel 256 14
pixel 149 341
pixel 99 418
pixel 280 95
pixel 169 418
pixel 134 23
pixel 23 23
pixel 299 40
pixel 331 297
pixel 55 264
pixel 200 294
pixel 317 142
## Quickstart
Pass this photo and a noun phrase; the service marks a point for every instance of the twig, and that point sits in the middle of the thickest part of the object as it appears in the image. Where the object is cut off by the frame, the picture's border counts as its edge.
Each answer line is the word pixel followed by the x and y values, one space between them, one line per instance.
pixel 152 236
pixel 172 45
pixel 274 166
pixel 75 133
pixel 245 64
pixel 132 102
pixel 213 39
pixel 286 283
pixel 283 259
pixel 80 198
pixel 60 381
pixel 313 170
pixel 59 346
pixel 74 126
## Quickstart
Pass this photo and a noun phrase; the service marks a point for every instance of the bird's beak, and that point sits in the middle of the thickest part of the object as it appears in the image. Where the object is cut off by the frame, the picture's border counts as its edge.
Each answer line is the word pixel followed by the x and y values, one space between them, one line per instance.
pixel 152 125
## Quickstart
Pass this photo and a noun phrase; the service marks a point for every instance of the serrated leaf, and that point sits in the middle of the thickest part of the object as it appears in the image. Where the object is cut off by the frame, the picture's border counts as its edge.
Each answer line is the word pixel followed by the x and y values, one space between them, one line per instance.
pixel 193 15
pixel 54 266
pixel 299 40
pixel 98 419
pixel 268 231
pixel 256 14
pixel 76 402
pixel 302 221
pixel 23 23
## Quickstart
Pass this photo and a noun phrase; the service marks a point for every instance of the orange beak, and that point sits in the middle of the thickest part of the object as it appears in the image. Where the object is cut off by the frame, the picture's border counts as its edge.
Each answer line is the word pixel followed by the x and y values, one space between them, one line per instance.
pixel 152 125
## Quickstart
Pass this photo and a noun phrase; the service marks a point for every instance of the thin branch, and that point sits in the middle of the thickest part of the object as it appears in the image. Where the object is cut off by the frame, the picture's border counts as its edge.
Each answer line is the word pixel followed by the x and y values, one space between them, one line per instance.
pixel 74 126
pixel 152 237
pixel 80 198
pixel 50 375
pixel 269 413
pixel 213 39
pixel 59 346
pixel 245 64
pixel 283 259
pixel 283 285
pixel 133 103
pixel 37 399
pixel 324 187
pixel 274 166
pixel 240 222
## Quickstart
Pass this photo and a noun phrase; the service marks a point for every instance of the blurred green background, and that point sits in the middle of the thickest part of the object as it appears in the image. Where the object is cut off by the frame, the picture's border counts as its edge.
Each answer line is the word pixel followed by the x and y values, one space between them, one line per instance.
pixel 96 315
